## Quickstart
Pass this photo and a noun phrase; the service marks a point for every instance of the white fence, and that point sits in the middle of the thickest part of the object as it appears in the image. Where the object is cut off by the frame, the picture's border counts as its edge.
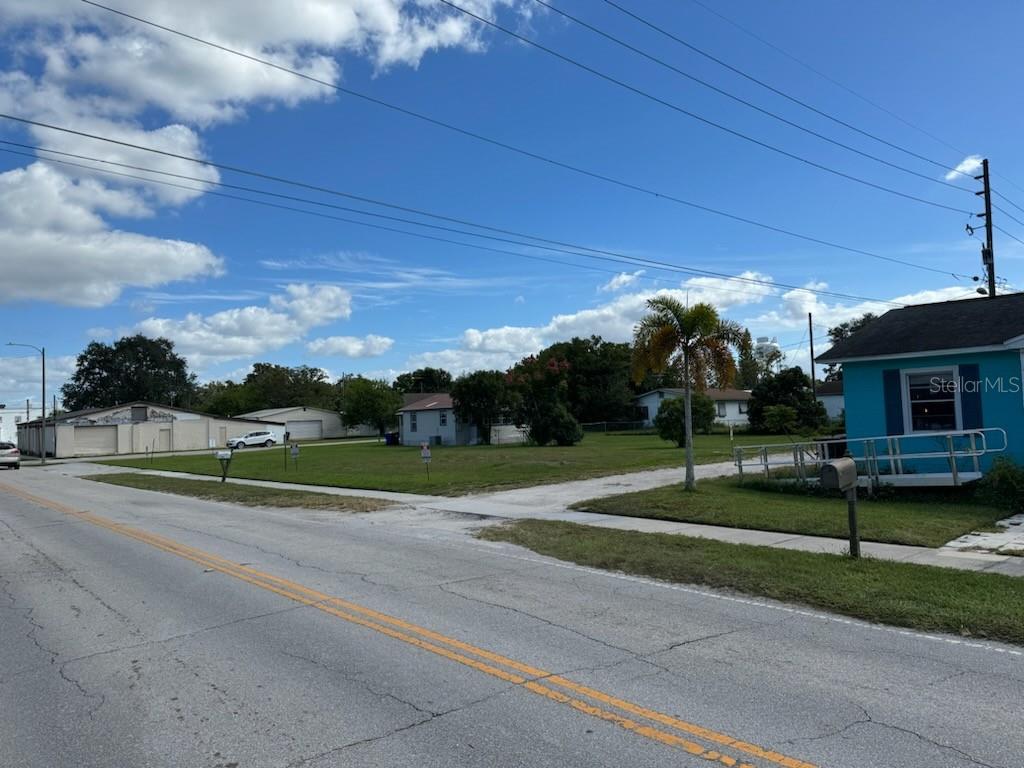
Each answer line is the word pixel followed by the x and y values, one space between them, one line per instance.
pixel 893 459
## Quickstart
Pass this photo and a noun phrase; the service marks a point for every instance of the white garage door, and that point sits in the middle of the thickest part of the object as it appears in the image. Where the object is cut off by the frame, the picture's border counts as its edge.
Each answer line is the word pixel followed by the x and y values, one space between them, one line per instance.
pixel 95 441
pixel 305 430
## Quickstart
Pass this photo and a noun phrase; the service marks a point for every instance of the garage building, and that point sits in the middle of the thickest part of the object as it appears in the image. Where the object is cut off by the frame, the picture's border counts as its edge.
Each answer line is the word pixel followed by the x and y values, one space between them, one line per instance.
pixel 138 427
pixel 303 422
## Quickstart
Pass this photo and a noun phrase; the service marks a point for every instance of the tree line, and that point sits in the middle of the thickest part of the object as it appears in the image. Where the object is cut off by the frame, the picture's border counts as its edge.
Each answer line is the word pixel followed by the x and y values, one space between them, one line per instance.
pixel 550 394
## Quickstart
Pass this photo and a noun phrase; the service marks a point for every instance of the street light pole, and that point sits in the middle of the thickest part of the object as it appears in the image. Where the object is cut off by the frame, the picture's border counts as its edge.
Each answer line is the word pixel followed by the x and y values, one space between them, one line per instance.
pixel 42 411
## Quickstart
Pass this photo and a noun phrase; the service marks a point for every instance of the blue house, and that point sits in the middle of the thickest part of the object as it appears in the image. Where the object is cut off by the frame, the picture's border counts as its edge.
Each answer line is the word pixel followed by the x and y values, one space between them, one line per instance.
pixel 933 392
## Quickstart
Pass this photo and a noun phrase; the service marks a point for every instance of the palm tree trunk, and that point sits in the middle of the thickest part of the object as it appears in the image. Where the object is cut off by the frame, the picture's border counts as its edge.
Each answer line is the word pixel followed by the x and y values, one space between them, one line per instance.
pixel 691 481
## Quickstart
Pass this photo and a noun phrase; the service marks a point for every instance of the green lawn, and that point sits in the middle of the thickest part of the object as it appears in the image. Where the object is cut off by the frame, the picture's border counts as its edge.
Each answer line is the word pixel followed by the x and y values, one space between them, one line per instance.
pixel 927 519
pixel 248 495
pixel 454 470
pixel 917 596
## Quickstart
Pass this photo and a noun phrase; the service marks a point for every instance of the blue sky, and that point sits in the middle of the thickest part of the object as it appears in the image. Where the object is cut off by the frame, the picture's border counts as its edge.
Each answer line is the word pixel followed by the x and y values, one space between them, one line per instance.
pixel 88 256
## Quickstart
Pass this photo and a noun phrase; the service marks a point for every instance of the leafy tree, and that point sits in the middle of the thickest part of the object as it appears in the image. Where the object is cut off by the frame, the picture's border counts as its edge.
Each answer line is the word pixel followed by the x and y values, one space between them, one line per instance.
pixel 597 378
pixel 790 387
pixel 694 339
pixel 538 401
pixel 748 371
pixel 132 368
pixel 365 401
pixel 780 419
pixel 480 398
pixel 424 380
pixel 278 386
pixel 224 398
pixel 670 421
pixel 834 371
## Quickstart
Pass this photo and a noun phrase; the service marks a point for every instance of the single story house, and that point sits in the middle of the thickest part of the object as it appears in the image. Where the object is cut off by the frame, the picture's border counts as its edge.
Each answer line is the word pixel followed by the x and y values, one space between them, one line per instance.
pixel 830 395
pixel 730 404
pixel 135 428
pixel 934 378
pixel 431 419
pixel 303 422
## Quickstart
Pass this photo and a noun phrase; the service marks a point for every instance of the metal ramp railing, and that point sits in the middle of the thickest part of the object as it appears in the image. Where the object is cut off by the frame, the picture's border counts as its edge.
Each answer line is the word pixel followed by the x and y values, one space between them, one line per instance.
pixel 898 459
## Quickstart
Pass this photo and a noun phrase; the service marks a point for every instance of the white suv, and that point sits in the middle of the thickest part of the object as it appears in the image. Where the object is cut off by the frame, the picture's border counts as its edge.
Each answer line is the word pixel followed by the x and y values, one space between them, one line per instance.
pixel 250 439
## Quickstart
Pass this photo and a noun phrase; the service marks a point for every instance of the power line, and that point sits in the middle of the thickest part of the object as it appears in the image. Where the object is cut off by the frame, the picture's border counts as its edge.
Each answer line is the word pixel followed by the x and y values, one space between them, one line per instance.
pixel 1008 234
pixel 672 269
pixel 519 150
pixel 824 76
pixel 846 88
pixel 1007 214
pixel 1000 194
pixel 597 254
pixel 693 115
pixel 419 212
pixel 751 105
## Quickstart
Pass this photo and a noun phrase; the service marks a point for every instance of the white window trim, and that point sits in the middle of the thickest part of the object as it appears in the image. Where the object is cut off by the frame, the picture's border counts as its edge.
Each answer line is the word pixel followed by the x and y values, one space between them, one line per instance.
pixel 906 373
pixel 412 422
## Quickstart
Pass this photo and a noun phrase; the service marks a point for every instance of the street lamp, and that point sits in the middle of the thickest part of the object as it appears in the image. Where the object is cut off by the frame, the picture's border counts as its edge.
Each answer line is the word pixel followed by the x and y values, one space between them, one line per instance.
pixel 42 413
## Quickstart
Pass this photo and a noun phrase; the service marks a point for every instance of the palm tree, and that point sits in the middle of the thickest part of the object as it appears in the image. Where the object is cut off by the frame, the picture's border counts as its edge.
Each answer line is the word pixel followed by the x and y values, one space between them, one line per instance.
pixel 694 339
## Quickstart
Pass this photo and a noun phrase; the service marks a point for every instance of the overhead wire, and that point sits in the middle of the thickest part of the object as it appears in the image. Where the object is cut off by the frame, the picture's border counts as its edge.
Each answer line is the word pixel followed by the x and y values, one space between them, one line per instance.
pixel 846 88
pixel 729 95
pixel 695 116
pixel 420 212
pixel 581 251
pixel 528 153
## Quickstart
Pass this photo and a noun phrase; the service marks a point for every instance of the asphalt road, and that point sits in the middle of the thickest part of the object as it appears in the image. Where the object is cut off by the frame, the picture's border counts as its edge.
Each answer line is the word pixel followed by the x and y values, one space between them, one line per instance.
pixel 139 629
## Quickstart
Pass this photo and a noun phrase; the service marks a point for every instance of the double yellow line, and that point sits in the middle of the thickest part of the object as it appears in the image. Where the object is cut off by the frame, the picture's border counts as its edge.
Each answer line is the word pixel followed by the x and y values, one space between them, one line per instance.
pixel 673 732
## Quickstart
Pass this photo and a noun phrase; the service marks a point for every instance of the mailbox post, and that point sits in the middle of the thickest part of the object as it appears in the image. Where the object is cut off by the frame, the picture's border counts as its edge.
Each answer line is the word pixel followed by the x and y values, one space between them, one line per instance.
pixel 425 455
pixel 224 457
pixel 841 474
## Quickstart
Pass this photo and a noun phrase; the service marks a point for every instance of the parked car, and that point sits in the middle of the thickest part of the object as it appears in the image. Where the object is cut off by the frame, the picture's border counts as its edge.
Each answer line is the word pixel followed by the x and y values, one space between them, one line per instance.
pixel 10 456
pixel 249 439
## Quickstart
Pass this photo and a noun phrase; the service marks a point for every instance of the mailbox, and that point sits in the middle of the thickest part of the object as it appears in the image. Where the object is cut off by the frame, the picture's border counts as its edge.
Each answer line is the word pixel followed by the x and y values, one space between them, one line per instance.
pixel 839 474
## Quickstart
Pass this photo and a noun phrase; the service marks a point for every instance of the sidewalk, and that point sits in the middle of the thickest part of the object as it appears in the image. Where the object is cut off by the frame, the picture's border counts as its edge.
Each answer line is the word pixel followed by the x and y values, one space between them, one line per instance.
pixel 550 502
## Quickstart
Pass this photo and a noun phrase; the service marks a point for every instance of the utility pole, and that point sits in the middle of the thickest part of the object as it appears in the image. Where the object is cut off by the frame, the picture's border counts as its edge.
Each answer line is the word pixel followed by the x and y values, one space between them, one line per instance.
pixel 42 404
pixel 810 335
pixel 988 257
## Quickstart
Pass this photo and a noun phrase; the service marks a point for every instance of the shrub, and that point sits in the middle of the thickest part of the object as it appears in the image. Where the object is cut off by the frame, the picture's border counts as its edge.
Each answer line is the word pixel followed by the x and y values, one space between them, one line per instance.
pixel 1003 485
pixel 554 423
pixel 780 419
pixel 669 421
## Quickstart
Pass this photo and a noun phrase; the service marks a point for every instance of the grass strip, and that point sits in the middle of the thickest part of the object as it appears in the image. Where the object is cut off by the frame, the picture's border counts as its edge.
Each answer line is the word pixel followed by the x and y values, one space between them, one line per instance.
pixel 920 597
pixel 454 470
pixel 236 493
pixel 904 516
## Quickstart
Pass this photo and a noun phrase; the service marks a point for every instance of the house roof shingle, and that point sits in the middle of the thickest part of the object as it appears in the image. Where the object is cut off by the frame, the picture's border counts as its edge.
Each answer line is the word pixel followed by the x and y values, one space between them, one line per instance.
pixel 962 324
pixel 436 402
pixel 830 388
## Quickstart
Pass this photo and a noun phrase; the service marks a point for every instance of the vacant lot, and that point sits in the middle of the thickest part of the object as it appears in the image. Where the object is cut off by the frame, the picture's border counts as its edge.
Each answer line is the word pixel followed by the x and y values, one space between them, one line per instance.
pixel 917 596
pixel 248 495
pixel 453 471
pixel 927 519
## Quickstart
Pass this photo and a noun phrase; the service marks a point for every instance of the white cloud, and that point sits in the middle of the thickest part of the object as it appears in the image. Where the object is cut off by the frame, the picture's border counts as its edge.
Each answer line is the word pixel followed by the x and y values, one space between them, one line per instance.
pixel 72 64
pixel 796 303
pixel 351 346
pixel 251 331
pixel 520 299
pixel 621 280
pixel 55 247
pixel 970 165
pixel 613 321
pixel 20 379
